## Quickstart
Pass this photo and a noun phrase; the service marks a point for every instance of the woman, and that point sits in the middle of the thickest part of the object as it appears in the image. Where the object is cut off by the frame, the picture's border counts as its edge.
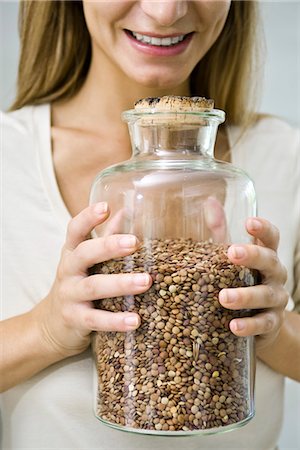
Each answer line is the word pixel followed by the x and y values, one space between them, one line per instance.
pixel 81 65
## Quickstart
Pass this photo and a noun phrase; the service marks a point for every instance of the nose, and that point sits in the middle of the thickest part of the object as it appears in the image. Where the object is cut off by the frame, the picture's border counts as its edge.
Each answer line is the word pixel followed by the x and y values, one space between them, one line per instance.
pixel 165 13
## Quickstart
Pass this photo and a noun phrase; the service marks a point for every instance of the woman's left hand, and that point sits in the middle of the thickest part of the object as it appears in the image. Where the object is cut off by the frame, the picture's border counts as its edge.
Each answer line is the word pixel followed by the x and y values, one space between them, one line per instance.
pixel 270 297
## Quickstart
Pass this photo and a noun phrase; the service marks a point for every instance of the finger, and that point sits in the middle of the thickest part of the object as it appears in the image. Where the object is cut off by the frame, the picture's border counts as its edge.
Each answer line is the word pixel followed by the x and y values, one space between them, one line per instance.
pixel 254 297
pixel 97 250
pixel 263 230
pixel 260 258
pixel 102 286
pixel 100 320
pixel 116 223
pixel 215 219
pixel 262 323
pixel 81 225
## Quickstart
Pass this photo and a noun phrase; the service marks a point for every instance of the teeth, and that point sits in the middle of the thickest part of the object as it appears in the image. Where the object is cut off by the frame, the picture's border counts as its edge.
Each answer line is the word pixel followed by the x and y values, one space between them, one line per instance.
pixel 163 42
pixel 175 40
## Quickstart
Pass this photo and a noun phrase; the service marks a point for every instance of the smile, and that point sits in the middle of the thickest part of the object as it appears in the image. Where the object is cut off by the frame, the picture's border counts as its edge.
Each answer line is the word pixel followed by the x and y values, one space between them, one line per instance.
pixel 158 42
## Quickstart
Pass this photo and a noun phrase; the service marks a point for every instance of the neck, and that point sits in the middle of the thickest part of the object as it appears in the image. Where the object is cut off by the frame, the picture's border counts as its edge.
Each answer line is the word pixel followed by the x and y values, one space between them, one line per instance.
pixel 105 93
pixel 88 133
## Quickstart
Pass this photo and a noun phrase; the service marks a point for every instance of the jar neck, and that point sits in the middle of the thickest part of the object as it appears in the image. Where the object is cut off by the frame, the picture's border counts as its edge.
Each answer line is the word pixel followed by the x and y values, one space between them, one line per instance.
pixel 175 137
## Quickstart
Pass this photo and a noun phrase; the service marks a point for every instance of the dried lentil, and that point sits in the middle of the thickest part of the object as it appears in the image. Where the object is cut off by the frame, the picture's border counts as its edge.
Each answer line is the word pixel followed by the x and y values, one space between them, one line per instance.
pixel 182 370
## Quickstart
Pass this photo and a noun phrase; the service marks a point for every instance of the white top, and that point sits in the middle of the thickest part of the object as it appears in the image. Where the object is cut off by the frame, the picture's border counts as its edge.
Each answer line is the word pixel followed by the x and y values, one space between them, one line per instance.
pixel 54 409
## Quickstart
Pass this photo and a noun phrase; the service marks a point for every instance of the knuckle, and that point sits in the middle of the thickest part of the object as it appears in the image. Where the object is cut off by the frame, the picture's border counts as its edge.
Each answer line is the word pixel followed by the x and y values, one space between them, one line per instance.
pixel 271 295
pixel 276 234
pixel 244 297
pixel 71 227
pixel 284 273
pixel 79 252
pixel 90 287
pixel 250 294
pixel 63 268
pixel 284 298
pixel 274 260
pixel 89 321
pixel 125 282
pixel 63 291
pixel 255 251
pixel 60 273
pixel 67 315
pixel 100 322
pixel 75 228
pixel 108 244
pixel 268 322
pixel 115 322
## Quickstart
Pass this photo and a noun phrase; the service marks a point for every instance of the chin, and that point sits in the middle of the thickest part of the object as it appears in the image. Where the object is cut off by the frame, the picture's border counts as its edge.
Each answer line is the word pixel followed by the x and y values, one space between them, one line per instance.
pixel 159 83
pixel 160 80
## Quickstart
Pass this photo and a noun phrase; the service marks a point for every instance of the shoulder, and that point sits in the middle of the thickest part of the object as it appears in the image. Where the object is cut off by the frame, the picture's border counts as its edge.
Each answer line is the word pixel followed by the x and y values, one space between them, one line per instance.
pixel 278 139
pixel 21 122
pixel 269 140
pixel 274 129
pixel 267 129
pixel 17 135
pixel 20 129
pixel 269 151
pixel 24 136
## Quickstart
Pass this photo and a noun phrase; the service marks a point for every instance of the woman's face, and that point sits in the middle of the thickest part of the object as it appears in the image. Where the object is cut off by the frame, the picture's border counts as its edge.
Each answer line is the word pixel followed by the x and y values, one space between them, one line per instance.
pixel 155 43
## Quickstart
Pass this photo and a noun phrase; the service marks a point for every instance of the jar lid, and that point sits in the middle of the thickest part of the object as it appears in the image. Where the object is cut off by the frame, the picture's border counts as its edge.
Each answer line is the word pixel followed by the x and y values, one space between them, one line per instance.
pixel 174 103
pixel 173 110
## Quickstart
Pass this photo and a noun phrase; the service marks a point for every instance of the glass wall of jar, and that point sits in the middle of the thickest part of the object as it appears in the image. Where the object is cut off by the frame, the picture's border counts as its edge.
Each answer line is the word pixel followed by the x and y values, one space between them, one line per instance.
pixel 182 371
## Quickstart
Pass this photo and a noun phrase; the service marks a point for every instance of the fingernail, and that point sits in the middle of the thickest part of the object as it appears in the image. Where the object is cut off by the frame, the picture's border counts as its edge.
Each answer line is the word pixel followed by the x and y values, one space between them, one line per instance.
pixel 141 279
pixel 228 296
pixel 238 252
pixel 131 321
pixel 101 208
pixel 238 325
pixel 255 224
pixel 127 241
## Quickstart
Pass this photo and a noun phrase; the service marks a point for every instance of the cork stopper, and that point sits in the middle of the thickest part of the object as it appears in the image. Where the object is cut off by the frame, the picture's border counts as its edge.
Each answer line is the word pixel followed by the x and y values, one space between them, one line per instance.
pixel 173 103
pixel 173 111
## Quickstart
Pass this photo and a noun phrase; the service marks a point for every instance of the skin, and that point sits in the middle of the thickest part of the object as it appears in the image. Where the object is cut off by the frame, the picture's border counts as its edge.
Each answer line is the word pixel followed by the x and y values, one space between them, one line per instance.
pixel 85 129
pixel 205 19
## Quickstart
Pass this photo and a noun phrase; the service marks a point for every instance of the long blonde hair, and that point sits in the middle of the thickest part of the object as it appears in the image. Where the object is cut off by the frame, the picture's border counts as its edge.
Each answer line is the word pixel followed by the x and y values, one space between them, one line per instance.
pixel 56 52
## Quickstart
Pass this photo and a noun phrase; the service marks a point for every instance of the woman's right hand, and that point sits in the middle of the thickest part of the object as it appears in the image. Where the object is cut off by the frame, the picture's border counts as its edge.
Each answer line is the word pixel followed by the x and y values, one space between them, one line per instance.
pixel 66 315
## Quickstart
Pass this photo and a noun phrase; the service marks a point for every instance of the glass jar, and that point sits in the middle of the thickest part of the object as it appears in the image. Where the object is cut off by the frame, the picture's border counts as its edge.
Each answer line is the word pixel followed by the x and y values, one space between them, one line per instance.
pixel 182 371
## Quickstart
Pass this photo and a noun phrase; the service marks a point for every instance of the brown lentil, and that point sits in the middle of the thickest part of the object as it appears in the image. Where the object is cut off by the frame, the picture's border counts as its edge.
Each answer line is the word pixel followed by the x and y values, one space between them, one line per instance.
pixel 182 369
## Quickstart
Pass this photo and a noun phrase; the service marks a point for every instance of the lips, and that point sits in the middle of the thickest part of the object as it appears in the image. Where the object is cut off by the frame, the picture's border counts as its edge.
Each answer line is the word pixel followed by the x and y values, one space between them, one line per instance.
pixel 158 44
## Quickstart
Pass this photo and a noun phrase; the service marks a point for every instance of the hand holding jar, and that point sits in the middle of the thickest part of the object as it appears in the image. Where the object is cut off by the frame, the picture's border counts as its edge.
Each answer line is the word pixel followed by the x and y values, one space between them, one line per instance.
pixel 270 297
pixel 67 316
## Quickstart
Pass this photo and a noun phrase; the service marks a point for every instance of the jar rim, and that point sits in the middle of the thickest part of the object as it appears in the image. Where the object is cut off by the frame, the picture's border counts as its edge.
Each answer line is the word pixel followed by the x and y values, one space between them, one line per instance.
pixel 132 115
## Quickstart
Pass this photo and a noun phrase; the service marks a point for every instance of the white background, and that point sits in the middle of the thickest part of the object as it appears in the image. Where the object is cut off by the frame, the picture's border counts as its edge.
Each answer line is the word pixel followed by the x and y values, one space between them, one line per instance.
pixel 281 96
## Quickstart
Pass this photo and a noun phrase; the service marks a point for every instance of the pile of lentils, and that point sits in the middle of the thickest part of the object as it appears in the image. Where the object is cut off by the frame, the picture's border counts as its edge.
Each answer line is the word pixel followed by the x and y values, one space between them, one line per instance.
pixel 182 369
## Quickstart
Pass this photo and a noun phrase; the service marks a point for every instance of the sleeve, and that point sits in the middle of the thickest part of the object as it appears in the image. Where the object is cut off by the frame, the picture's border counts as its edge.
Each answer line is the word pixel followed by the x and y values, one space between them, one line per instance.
pixel 296 288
